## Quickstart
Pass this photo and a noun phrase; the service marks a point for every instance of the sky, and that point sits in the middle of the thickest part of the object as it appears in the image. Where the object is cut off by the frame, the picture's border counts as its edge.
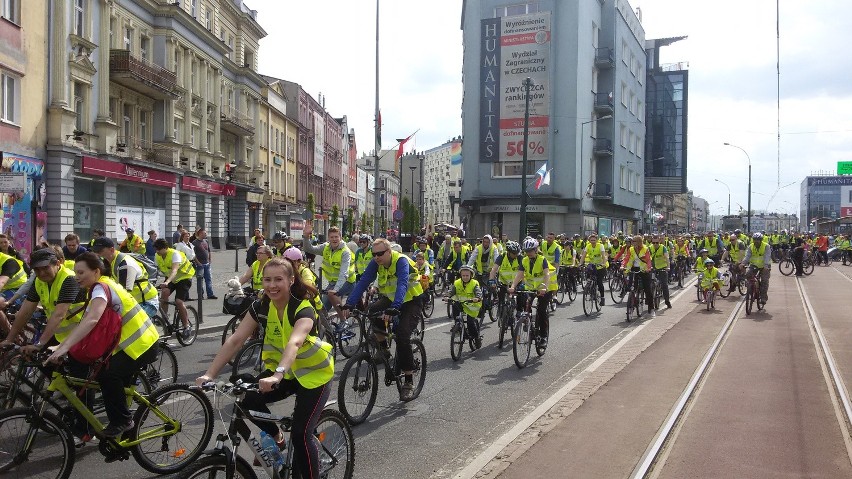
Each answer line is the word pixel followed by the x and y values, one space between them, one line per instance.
pixel 328 46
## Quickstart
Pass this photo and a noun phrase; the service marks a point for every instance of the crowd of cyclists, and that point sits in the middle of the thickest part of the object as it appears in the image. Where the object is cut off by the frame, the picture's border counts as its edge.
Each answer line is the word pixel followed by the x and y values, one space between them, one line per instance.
pixel 74 284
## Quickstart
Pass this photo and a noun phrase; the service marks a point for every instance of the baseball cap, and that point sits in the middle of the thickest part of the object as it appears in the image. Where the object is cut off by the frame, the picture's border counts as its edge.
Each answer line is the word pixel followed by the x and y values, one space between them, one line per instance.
pixel 101 243
pixel 42 258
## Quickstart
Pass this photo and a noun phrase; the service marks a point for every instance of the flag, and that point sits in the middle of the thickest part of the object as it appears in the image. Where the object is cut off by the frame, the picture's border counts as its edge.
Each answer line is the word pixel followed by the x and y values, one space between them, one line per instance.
pixel 378 131
pixel 543 176
pixel 406 146
pixel 541 171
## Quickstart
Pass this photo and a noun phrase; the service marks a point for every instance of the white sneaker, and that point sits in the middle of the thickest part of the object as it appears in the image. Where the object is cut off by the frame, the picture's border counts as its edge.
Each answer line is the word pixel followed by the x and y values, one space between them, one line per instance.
pixel 653 313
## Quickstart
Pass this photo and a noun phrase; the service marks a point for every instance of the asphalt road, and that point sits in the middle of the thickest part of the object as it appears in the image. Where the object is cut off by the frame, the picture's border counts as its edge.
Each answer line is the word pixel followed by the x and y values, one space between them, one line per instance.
pixel 464 405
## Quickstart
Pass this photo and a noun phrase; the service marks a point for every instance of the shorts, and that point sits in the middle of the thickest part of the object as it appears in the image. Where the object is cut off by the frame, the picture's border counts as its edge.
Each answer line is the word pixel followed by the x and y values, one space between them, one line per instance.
pixel 150 308
pixel 180 288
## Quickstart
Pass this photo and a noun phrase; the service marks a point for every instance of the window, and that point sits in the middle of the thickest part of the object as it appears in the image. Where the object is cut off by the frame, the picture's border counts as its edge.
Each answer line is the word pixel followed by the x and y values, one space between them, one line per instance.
pixel 128 39
pixel 630 181
pixel 623 136
pixel 128 119
pixel 112 32
pixel 144 46
pixel 10 98
pixel 594 80
pixel 623 177
pixel 640 146
pixel 193 136
pixel 519 9
pixel 638 184
pixel 143 126
pixel 193 77
pixel 641 74
pixel 209 140
pixel 631 142
pixel 624 51
pixel 11 10
pixel 632 103
pixel 79 17
pixel 623 93
pixel 596 32
pixel 632 64
pixel 193 8
pixel 79 105
pixel 640 110
pixel 208 19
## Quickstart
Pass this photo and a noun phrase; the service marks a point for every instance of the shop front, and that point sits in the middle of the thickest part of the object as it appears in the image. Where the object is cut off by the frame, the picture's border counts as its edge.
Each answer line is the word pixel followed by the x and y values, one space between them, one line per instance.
pixel 204 198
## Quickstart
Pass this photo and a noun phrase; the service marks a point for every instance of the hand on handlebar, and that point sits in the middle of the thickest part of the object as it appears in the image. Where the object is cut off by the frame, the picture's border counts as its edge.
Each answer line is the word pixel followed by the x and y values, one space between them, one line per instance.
pixel 268 384
pixel 203 381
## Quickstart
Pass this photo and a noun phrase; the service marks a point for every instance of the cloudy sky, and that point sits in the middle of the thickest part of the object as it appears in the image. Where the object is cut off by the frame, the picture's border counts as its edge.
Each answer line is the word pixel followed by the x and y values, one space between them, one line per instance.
pixel 328 46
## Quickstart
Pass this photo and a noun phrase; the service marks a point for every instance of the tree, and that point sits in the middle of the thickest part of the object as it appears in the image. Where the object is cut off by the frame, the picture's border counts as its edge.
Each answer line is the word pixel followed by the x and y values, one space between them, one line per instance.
pixel 350 220
pixel 384 225
pixel 311 205
pixel 364 227
pixel 335 215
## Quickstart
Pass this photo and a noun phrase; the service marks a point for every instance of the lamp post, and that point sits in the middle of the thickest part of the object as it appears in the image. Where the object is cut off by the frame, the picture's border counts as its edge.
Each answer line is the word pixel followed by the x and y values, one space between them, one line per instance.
pixel 528 84
pixel 582 160
pixel 729 194
pixel 749 184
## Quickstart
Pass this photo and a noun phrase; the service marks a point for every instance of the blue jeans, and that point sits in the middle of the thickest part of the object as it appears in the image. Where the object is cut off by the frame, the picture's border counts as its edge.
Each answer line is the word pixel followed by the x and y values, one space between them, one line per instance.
pixel 204 270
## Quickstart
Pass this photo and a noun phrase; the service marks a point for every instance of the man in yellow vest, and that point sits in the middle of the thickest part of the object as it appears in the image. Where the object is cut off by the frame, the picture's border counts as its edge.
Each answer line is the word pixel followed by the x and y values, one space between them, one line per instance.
pixel 128 273
pixel 638 258
pixel 338 267
pixel 551 249
pixel 758 256
pixel 540 276
pixel 178 272
pixel 505 269
pixel 399 286
pixel 660 262
pixel 594 254
pixel 132 243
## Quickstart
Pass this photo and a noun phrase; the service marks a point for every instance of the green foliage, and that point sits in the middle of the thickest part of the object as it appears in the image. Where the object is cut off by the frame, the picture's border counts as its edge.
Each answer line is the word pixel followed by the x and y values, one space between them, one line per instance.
pixel 311 204
pixel 334 218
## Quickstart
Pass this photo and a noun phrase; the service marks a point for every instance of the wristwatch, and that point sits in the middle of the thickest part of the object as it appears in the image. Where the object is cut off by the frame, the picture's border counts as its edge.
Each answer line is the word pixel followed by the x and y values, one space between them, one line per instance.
pixel 280 370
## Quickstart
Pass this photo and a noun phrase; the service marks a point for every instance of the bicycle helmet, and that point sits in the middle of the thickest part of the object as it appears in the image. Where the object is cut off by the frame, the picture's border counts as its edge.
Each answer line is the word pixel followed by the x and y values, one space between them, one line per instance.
pixel 292 253
pixel 737 231
pixel 757 236
pixel 366 238
pixel 708 261
pixel 513 247
pixel 530 243
pixel 279 237
pixel 703 250
pixel 469 268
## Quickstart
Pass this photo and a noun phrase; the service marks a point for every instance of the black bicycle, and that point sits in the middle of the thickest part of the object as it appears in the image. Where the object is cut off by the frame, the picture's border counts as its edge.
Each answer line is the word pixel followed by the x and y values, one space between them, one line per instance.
pixel 526 331
pixel 506 315
pixel 186 335
pixel 634 297
pixel 459 332
pixel 567 284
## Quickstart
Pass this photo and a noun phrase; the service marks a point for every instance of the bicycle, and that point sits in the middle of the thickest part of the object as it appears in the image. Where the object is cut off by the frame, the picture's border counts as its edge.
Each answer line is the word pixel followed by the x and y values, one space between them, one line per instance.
pixel 167 435
pixel 753 295
pixel 506 316
pixel 337 445
pixel 359 380
pixel 526 332
pixel 567 286
pixel 634 302
pixel 737 278
pixel 459 331
pixel 616 286
pixel 176 327
pixel 679 272
pixel 591 302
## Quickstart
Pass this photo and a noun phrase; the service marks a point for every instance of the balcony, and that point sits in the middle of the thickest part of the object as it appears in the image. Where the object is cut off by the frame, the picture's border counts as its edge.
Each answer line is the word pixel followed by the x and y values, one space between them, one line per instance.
pixel 236 122
pixel 602 191
pixel 604 103
pixel 142 76
pixel 163 155
pixel 603 147
pixel 604 58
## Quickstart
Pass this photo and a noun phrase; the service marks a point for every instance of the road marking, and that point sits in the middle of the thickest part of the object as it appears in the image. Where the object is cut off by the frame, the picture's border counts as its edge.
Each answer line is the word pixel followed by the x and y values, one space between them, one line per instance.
pixel 481 460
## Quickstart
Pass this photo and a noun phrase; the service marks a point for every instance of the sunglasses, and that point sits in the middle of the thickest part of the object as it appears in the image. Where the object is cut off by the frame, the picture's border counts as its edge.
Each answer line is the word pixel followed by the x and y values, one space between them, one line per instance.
pixel 379 254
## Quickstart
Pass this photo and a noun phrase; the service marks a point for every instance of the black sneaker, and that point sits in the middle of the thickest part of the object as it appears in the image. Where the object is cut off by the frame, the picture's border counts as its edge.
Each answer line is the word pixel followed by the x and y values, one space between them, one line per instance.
pixel 542 342
pixel 602 301
pixel 668 305
pixel 116 430
pixel 478 342
pixel 213 297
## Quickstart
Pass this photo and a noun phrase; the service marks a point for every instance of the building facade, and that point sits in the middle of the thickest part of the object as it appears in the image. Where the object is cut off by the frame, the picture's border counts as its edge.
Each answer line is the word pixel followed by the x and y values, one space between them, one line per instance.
pixel 588 55
pixel 824 198
pixel 442 182
pixel 278 151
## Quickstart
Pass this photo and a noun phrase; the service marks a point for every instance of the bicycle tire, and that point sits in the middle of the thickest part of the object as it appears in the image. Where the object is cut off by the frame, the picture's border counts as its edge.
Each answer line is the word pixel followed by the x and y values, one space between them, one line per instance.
pixel 572 292
pixel 10 385
pixel 502 323
pixel 616 286
pixel 742 287
pixel 215 465
pixel 457 340
pixel 421 331
pixel 726 285
pixel 522 343
pixel 164 369
pixel 748 299
pixel 698 291
pixel 358 387
pixel 587 303
pixel 491 310
pixel 348 337
pixel 786 267
pixel 419 373
pixel 337 445
pixel 230 327
pixel 808 268
pixel 193 433
pixel 429 304
pixel 192 317
pixel 38 463
pixel 560 292
pixel 708 298
pixel 630 310
pixel 248 360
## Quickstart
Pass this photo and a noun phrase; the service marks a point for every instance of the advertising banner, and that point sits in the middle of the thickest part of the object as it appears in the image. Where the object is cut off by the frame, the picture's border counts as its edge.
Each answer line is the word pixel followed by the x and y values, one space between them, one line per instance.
pixel 513 49
pixel 140 219
pixel 123 171
pixel 18 205
pixel 319 143
pixel 190 183
pixel 845 201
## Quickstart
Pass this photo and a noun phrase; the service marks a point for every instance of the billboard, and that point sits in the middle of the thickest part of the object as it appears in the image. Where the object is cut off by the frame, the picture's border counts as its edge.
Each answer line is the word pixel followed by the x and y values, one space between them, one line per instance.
pixel 319 143
pixel 18 206
pixel 140 219
pixel 513 49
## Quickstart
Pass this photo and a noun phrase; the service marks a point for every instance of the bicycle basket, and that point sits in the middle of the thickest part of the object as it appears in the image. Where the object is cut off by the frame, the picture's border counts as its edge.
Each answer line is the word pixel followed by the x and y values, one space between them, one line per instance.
pixel 236 305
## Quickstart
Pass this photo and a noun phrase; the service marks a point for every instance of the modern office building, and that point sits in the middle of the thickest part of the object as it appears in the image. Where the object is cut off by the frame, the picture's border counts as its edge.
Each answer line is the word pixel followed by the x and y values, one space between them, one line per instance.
pixel 586 63
pixel 824 199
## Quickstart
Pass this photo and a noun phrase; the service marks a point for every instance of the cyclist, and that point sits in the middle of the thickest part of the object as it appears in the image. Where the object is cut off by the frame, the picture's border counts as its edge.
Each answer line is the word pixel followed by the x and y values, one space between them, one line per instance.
pixel 681 252
pixel 423 246
pixel 294 255
pixel 254 275
pixel 842 243
pixel 483 258
pixel 455 260
pixel 467 288
pixel 551 250
pixel 178 272
pixel 711 277
pixel 296 361
pixel 713 246
pixel 132 243
pixel 759 257
pixel 703 254
pixel 568 264
pixel 638 259
pixel 660 259
pixel 137 344
pixel 129 274
pixel 537 275
pixel 596 254
pixel 734 254
pixel 280 243
pixel 338 267
pixel 398 285
pixel 505 268
pixel 425 270
pixel 12 277
pixel 363 255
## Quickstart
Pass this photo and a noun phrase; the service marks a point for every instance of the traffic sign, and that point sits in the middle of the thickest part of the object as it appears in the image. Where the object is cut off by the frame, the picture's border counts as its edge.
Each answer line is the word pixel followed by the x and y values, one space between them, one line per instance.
pixel 397 215
pixel 844 167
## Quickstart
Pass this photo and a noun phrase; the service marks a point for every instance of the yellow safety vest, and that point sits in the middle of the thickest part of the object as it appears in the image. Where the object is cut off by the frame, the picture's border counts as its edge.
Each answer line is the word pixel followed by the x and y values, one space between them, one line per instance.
pixel 331 264
pixel 18 279
pixel 534 275
pixel 508 269
pixel 594 255
pixel 658 258
pixel 257 275
pixel 314 364
pixel 735 252
pixel 185 271
pixel 69 263
pixel 143 291
pixel 712 248
pixel 308 277
pixel 549 252
pixel 465 292
pixel 48 295
pixel 632 256
pixel 362 259
pixel 711 276
pixel 137 331
pixel 387 278
pixel 568 257
pixel 757 255
pixel 479 266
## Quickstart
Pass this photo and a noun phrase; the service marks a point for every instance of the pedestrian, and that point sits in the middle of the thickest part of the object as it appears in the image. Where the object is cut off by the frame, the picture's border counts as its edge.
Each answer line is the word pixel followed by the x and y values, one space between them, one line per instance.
pixel 251 252
pixel 176 234
pixel 799 256
pixel 203 258
pixel 150 251
pixel 72 247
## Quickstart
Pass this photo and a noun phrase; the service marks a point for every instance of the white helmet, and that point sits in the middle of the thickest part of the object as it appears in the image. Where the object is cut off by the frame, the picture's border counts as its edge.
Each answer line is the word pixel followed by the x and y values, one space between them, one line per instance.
pixel 530 243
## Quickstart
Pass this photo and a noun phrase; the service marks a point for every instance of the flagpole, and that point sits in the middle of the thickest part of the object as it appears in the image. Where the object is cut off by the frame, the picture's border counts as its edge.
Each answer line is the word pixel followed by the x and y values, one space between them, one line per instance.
pixel 376 196
pixel 522 233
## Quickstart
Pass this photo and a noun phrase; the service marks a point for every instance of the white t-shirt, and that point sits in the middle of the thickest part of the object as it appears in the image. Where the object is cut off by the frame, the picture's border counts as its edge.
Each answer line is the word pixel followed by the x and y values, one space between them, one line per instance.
pixel 99 292
pixel 186 250
pixel 133 271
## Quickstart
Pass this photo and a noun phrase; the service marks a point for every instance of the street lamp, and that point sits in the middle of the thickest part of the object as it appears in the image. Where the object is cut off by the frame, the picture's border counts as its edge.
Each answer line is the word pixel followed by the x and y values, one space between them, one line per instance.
pixel 749 184
pixel 582 196
pixel 729 194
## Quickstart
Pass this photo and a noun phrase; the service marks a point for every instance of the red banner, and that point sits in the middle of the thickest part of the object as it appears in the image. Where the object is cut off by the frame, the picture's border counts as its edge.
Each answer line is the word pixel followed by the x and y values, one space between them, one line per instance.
pixel 190 183
pixel 122 171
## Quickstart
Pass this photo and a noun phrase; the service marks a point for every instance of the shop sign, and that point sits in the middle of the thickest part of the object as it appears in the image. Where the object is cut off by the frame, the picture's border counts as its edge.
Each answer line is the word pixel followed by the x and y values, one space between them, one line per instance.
pixel 13 182
pixel 517 209
pixel 123 171
pixel 190 183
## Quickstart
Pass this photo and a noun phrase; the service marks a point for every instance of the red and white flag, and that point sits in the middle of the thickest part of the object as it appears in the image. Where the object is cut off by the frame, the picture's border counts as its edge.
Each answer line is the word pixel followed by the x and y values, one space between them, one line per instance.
pixel 543 176
pixel 406 146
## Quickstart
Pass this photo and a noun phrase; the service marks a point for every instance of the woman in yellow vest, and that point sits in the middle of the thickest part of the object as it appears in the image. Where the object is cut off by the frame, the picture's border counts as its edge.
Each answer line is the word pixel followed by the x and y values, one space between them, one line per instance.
pixel 254 275
pixel 136 344
pixel 294 255
pixel 296 360
pixel 467 289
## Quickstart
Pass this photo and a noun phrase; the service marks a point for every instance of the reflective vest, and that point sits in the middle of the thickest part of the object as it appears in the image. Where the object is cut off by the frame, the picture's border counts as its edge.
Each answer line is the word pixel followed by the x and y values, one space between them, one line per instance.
pixel 757 255
pixel 185 271
pixel 579 244
pixel 595 255
pixel 712 247
pixel 257 275
pixel 142 291
pixel 681 250
pixel 69 263
pixel 314 364
pixel 427 254
pixel 486 267
pixel 134 244
pixel 658 258
pixel 735 252
pixel 568 257
pixel 137 331
pixel 460 256
pixel 534 275
pixel 48 295
pixel 331 261
pixel 711 276
pixel 18 279
pixel 387 278
pixel 632 257
pixel 362 259
pixel 549 251
pixel 308 277
pixel 508 269
pixel 466 292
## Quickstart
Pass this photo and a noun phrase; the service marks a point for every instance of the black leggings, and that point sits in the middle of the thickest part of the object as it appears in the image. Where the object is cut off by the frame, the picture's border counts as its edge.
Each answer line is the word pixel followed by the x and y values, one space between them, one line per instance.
pixel 309 405
pixel 409 317
pixel 542 318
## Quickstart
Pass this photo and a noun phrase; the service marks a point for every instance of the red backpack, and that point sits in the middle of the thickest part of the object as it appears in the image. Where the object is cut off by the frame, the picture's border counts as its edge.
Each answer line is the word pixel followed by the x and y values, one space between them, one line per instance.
pixel 103 338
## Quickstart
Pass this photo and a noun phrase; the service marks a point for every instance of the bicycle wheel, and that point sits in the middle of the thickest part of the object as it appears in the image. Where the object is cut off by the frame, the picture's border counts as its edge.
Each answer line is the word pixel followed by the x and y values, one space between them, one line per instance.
pixel 588 299
pixel 742 287
pixel 708 298
pixel 786 267
pixel 724 288
pixel 190 411
pixel 502 323
pixel 357 389
pixel 560 292
pixel 230 328
pixel 418 375
pixel 491 310
pixel 808 267
pixel 164 369
pixel 348 336
pixel 214 467
pixel 429 306
pixel 748 299
pixel 192 318
pixel 457 340
pixel 51 453
pixel 572 291
pixel 336 445
pixel 631 312
pixel 616 286
pixel 12 375
pixel 247 359
pixel 523 342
